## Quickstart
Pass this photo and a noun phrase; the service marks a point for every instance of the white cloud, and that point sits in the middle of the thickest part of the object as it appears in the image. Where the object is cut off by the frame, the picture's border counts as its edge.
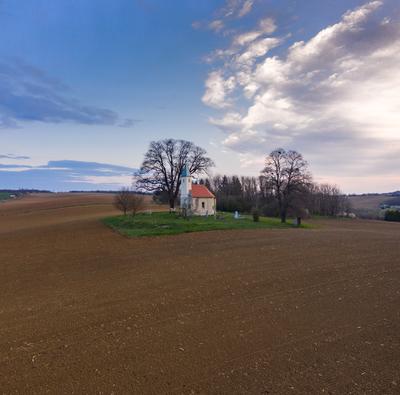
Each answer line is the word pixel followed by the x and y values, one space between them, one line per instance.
pixel 248 46
pixel 216 25
pixel 257 49
pixel 267 25
pixel 114 181
pixel 245 38
pixel 231 10
pixel 20 168
pixel 246 8
pixel 217 90
pixel 16 169
pixel 236 8
pixel 333 96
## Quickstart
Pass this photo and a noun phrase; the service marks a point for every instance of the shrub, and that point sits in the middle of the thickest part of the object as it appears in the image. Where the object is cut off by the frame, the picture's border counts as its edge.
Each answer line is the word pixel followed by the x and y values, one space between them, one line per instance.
pixel 270 209
pixel 122 200
pixel 256 215
pixel 136 203
pixel 392 215
pixel 127 201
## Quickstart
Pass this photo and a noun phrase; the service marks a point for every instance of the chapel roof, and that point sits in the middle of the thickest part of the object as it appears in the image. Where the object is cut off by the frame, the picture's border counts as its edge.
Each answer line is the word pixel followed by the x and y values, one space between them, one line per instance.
pixel 201 191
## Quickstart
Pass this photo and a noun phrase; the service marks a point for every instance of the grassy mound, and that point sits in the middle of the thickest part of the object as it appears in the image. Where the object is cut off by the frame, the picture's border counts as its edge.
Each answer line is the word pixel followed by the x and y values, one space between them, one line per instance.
pixel 164 223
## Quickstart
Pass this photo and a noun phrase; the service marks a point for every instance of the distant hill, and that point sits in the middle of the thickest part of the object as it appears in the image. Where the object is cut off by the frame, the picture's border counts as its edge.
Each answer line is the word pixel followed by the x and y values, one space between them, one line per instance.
pixel 21 191
pixel 368 205
pixel 6 194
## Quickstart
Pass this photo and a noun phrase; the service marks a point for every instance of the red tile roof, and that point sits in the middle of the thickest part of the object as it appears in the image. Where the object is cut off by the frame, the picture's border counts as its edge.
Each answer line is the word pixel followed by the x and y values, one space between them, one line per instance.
pixel 201 191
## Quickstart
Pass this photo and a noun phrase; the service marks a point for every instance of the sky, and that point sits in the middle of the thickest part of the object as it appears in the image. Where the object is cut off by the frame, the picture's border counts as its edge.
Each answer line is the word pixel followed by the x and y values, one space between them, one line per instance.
pixel 86 85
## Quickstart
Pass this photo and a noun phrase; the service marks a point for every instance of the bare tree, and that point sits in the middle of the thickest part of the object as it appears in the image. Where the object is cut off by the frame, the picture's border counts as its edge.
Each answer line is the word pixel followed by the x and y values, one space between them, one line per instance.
pixel 127 201
pixel 286 174
pixel 136 204
pixel 163 163
pixel 122 200
pixel 327 199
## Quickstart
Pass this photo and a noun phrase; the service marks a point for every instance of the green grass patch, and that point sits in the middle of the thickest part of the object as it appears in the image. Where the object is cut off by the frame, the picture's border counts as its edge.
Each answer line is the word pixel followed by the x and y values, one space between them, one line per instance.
pixel 164 223
pixel 5 196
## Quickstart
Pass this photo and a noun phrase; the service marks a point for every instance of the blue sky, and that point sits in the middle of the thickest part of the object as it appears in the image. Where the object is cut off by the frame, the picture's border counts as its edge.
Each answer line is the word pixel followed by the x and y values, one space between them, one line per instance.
pixel 96 81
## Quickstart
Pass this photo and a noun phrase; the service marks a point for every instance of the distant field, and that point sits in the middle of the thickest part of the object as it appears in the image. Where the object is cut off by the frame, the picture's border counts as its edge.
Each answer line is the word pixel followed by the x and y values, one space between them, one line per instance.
pixel 369 205
pixel 85 310
pixel 369 202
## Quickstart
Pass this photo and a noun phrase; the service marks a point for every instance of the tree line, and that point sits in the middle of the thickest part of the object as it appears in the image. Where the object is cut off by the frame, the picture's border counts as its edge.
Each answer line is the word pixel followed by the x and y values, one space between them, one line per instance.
pixel 283 188
pixel 247 194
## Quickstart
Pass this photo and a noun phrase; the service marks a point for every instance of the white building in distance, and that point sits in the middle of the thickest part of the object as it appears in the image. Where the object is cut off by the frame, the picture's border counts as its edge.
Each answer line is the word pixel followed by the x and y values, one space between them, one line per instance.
pixel 195 199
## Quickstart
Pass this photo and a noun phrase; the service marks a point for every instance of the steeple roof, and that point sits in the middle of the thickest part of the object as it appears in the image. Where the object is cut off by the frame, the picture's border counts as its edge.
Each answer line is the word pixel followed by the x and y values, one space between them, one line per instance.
pixel 185 171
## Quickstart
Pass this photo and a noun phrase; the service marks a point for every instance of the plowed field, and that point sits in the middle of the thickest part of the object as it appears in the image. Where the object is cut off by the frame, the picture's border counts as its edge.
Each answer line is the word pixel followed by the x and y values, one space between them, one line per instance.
pixel 280 311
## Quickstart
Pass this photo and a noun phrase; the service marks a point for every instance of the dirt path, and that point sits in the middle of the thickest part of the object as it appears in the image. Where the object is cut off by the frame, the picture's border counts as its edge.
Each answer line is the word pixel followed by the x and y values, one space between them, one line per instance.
pixel 84 310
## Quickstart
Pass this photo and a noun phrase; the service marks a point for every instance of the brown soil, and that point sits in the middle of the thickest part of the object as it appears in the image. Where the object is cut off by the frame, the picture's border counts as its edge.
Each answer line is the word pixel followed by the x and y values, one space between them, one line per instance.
pixel 85 310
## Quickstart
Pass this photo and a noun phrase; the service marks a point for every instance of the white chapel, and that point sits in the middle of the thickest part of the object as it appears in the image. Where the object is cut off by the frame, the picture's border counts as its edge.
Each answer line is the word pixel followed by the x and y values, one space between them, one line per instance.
pixel 195 198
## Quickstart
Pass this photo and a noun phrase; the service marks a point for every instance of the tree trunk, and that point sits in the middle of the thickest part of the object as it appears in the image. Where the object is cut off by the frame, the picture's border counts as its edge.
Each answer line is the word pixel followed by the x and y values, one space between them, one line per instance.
pixel 282 209
pixel 171 203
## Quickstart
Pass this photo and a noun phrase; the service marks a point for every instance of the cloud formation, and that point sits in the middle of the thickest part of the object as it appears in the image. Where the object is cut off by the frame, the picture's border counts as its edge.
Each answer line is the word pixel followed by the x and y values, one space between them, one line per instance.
pixel 12 156
pixel 238 59
pixel 65 175
pixel 266 26
pixel 128 123
pixel 29 94
pixel 236 8
pixel 334 97
pixel 218 89
pixel 231 10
